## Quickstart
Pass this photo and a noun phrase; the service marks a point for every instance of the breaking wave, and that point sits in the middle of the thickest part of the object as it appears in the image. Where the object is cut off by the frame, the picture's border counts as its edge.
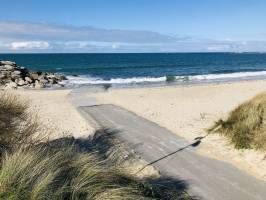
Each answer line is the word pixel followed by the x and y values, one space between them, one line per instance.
pixel 88 80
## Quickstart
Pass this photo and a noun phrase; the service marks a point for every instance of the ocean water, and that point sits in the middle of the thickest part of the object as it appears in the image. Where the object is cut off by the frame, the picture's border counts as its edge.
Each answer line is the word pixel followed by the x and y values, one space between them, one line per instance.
pixel 146 68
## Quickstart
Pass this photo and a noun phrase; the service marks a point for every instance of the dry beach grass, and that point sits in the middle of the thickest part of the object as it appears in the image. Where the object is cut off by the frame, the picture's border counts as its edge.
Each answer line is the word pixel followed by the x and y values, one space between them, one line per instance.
pixel 245 125
pixel 17 125
pixel 65 168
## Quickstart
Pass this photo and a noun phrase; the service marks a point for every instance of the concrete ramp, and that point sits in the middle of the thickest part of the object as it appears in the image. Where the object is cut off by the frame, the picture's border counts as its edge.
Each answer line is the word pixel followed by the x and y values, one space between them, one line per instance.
pixel 174 156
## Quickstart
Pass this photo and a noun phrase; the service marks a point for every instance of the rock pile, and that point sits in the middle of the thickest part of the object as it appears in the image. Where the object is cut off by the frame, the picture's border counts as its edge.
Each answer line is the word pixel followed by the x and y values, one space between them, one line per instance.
pixel 13 76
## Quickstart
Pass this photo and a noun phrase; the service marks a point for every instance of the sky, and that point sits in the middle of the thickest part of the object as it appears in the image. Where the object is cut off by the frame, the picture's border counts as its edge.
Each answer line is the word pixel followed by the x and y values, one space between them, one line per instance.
pixel 132 26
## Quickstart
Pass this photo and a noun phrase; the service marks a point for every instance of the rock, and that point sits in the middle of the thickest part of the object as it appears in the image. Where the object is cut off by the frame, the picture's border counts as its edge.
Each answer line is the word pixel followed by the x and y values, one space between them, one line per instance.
pixel 4 72
pixel 28 79
pixel 11 85
pixel 34 75
pixel 9 67
pixel 52 81
pixel 43 81
pixel 13 76
pixel 2 75
pixel 62 78
pixel 8 63
pixel 39 73
pixel 41 77
pixel 38 85
pixel 21 82
pixel 24 71
pixel 49 76
pixel 16 72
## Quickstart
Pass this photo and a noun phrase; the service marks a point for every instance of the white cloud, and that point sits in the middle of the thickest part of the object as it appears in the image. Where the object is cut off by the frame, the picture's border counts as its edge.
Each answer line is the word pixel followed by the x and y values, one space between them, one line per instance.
pixel 44 31
pixel 115 46
pixel 219 48
pixel 43 37
pixel 29 45
pixel 76 44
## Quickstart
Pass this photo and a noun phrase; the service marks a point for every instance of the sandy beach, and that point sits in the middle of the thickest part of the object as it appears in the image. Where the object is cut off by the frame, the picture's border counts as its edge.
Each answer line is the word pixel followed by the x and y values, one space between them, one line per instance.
pixel 185 110
pixel 189 110
pixel 56 112
pixel 133 100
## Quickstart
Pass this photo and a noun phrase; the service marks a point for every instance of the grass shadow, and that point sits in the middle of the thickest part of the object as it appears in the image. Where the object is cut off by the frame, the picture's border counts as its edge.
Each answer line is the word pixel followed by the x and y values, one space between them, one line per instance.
pixel 106 146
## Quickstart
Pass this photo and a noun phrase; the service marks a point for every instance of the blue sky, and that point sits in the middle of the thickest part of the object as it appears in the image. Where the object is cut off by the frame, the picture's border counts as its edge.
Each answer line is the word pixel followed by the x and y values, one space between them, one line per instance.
pixel 132 25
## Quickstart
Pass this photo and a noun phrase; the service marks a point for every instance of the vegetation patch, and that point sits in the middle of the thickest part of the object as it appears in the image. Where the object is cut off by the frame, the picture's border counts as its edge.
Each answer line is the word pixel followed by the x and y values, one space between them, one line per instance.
pixel 18 126
pixel 245 125
pixel 65 168
pixel 63 174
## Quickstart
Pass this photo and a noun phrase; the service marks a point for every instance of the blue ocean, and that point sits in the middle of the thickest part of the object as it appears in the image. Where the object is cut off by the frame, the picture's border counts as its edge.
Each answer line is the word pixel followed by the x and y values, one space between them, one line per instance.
pixel 146 68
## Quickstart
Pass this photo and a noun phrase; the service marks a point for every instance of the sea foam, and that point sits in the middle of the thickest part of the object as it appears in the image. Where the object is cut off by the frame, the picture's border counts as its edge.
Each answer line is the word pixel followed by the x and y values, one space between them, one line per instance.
pixel 88 80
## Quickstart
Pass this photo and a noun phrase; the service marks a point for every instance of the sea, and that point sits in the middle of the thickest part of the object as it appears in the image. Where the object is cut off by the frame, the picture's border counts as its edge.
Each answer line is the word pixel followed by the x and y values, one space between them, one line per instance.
pixel 138 69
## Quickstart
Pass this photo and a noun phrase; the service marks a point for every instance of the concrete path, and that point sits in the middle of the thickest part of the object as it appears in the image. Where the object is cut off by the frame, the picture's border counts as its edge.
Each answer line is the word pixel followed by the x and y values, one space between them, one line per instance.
pixel 172 155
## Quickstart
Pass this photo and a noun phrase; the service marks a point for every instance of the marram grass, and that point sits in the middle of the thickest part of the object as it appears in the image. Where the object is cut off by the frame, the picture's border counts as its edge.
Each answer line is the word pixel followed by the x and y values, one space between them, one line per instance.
pixel 18 126
pixel 33 169
pixel 39 174
pixel 246 125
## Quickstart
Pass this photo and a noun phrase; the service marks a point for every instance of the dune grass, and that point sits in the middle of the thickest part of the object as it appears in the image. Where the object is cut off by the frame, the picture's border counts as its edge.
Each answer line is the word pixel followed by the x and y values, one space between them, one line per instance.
pixel 18 126
pixel 35 169
pixel 245 125
pixel 64 174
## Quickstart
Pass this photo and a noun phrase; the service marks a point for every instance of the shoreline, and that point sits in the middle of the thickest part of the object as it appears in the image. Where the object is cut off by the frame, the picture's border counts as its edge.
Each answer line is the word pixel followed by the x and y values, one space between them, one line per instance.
pixel 157 84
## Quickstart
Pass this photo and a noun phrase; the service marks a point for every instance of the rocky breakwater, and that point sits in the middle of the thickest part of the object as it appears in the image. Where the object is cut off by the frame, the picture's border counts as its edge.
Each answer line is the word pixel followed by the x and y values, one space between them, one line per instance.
pixel 13 77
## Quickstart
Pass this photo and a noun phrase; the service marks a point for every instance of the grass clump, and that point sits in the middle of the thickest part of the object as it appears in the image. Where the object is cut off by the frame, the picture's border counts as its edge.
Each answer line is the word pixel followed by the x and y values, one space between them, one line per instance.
pixel 18 126
pixel 63 169
pixel 28 174
pixel 62 174
pixel 44 173
pixel 246 125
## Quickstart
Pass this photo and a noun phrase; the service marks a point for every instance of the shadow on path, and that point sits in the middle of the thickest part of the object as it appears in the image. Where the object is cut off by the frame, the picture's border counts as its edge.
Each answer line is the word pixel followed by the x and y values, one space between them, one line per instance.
pixel 107 147
pixel 194 144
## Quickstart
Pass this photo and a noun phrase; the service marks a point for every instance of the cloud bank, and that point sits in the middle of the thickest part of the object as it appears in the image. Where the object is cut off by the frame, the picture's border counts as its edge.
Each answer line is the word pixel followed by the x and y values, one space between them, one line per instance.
pixel 29 45
pixel 43 37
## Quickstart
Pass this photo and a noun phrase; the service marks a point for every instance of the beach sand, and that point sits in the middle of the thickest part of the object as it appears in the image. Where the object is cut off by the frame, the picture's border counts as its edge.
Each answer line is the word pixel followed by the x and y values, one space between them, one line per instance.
pixel 189 110
pixel 60 118
pixel 56 113
pixel 185 110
